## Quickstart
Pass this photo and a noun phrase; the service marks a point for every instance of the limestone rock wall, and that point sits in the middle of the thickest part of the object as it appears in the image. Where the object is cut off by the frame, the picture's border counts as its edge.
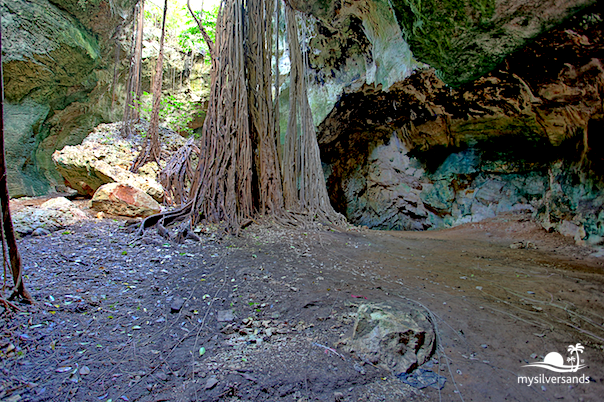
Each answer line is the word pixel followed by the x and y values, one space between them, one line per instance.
pixel 58 59
pixel 527 136
pixel 65 67
pixel 462 40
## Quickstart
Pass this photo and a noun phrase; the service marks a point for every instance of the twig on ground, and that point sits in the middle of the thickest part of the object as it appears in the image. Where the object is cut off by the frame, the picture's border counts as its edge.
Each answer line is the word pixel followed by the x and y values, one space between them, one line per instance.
pixel 328 349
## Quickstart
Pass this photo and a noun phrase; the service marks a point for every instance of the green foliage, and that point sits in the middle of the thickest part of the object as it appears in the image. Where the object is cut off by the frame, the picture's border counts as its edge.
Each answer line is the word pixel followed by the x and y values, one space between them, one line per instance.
pixel 191 36
pixel 589 20
pixel 177 114
pixel 435 30
pixel 174 113
pixel 183 35
pixel 181 29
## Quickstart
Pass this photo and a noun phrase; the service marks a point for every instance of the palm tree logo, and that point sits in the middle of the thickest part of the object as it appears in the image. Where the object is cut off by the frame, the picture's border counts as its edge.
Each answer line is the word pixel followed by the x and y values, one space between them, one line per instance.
pixel 578 348
pixel 555 362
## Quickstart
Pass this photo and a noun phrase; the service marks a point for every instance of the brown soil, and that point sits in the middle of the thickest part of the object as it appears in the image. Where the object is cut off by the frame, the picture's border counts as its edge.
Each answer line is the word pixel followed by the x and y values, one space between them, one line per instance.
pixel 103 327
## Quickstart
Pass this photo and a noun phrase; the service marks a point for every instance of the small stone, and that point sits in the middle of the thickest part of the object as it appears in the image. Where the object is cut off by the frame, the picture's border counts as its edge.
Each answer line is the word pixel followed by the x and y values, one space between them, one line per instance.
pixel 516 246
pixel 162 376
pixel 211 383
pixel 40 232
pixel 85 370
pixel 225 316
pixel 338 396
pixel 177 304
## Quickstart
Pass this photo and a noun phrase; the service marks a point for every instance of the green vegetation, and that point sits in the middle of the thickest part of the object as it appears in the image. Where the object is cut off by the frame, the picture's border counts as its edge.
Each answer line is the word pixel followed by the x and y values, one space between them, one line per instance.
pixel 191 36
pixel 436 30
pixel 180 103
pixel 182 31
pixel 175 112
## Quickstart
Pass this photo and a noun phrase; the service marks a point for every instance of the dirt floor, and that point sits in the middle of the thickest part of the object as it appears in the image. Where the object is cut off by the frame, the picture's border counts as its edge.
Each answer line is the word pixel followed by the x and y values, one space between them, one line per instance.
pixel 260 317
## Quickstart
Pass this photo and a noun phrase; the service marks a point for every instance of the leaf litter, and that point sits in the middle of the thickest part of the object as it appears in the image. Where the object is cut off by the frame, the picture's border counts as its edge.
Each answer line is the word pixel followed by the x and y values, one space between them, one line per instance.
pixel 264 328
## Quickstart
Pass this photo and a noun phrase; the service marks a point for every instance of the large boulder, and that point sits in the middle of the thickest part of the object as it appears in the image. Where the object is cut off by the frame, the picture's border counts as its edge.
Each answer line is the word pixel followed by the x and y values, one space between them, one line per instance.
pixel 52 215
pixel 397 337
pixel 124 200
pixel 105 157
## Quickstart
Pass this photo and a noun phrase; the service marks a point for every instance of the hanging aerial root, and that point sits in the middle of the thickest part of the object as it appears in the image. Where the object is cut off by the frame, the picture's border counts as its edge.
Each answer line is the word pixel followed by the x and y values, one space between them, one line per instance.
pixel 8 305
pixel 166 218
pixel 177 177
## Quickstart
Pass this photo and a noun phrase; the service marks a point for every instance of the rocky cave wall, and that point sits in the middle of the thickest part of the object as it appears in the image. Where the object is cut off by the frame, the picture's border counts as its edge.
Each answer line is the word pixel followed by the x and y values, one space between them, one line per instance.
pixel 423 153
pixel 59 60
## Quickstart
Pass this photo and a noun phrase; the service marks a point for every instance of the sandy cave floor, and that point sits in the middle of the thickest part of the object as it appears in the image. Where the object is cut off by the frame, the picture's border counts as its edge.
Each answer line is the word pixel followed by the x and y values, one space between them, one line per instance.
pixel 102 327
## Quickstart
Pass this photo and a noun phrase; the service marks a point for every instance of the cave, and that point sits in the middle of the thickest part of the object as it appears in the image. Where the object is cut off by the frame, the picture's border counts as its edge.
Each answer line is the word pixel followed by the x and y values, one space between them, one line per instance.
pixel 461 147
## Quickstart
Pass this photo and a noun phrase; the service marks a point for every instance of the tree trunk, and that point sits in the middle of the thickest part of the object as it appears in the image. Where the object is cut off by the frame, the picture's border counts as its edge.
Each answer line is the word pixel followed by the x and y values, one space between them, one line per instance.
pixel 116 62
pixel 138 61
pixel 240 132
pixel 304 185
pixel 133 87
pixel 263 128
pixel 151 150
pixel 223 184
pixel 8 232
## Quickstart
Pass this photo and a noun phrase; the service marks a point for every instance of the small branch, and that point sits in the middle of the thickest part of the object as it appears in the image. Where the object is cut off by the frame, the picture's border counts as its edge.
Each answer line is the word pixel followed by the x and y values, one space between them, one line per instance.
pixel 328 349
pixel 204 33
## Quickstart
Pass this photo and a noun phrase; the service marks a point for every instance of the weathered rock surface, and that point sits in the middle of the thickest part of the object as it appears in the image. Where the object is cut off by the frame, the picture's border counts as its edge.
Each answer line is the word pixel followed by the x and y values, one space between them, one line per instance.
pixel 52 215
pixel 124 200
pixel 380 43
pixel 105 157
pixel 525 137
pixel 462 40
pixel 58 62
pixel 396 337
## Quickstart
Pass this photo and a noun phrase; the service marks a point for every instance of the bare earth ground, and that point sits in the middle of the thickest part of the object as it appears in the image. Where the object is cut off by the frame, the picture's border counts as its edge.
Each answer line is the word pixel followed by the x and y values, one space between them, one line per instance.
pixel 103 327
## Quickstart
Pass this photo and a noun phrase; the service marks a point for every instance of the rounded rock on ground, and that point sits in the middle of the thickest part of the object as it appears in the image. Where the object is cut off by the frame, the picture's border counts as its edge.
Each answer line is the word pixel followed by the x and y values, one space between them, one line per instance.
pixel 397 337
pixel 40 232
pixel 52 215
pixel 124 200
